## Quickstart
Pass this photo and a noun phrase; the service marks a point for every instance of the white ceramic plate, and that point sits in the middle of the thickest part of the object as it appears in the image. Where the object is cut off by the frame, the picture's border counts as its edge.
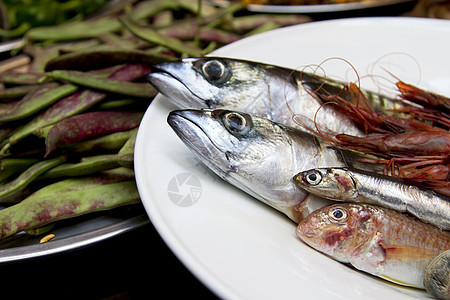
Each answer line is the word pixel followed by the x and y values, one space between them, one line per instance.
pixel 321 8
pixel 238 247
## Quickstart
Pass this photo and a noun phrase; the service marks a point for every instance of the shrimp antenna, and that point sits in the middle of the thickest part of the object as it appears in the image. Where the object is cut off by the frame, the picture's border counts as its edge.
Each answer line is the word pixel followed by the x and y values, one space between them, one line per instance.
pixel 352 67
pixel 388 59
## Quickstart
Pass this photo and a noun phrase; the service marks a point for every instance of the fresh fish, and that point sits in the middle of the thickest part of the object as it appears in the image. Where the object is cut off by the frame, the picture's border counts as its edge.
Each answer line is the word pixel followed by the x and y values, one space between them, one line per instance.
pixel 262 90
pixel 257 155
pixel 437 276
pixel 351 185
pixel 379 241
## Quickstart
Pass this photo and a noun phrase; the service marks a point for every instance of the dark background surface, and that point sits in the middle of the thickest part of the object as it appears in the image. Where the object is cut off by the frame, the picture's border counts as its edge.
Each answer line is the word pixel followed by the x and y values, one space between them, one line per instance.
pixel 133 265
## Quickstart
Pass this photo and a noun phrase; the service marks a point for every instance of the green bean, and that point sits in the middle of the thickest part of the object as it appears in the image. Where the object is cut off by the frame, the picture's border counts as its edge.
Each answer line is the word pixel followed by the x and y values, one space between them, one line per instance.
pixel 126 154
pixel 163 19
pixel 35 93
pixel 75 46
pixel 64 108
pixel 109 142
pixel 119 103
pixel 11 166
pixel 150 35
pixel 35 211
pixel 105 72
pixel 37 100
pixel 207 10
pixel 250 22
pixel 83 60
pixel 223 16
pixel 121 172
pixel 148 9
pixel 16 32
pixel 188 31
pixel 40 230
pixel 199 23
pixel 23 180
pixel 86 166
pixel 74 30
pixel 82 183
pixel 263 28
pixel 89 125
pixel 41 56
pixel 5 108
pixel 40 133
pixel 140 90
pixel 17 91
pixel 113 41
pixel 130 72
pixel 11 77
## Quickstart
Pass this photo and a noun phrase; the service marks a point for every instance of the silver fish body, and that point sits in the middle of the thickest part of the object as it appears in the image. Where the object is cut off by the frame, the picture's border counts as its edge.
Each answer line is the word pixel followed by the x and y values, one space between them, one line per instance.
pixel 256 155
pixel 261 90
pixel 351 185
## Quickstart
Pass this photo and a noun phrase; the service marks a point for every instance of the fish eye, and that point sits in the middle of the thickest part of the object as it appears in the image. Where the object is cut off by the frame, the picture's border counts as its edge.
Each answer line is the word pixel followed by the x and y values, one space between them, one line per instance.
pixel 338 215
pixel 216 72
pixel 312 177
pixel 237 123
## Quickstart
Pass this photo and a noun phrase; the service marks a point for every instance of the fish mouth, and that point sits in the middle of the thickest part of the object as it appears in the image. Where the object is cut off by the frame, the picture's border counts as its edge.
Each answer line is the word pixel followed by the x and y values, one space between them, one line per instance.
pixel 165 79
pixel 312 227
pixel 187 125
pixel 305 232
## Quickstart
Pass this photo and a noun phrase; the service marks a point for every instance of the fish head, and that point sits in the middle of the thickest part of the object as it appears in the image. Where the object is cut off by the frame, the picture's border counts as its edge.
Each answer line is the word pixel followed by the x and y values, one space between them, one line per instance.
pixel 210 82
pixel 252 153
pixel 331 183
pixel 337 230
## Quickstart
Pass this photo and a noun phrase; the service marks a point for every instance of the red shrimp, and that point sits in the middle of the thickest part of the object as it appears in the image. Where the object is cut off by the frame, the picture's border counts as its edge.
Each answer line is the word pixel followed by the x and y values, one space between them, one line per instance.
pixel 429 172
pixel 407 143
pixel 422 97
pixel 413 140
pixel 352 102
pixel 433 116
pixel 355 105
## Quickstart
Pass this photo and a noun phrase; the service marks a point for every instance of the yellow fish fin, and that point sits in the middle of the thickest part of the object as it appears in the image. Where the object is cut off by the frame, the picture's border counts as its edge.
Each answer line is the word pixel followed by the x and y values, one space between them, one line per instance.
pixel 394 280
pixel 397 252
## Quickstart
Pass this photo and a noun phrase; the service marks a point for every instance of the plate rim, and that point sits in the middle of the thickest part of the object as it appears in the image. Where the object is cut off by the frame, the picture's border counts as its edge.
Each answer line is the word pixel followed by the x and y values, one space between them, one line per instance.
pixel 323 8
pixel 76 241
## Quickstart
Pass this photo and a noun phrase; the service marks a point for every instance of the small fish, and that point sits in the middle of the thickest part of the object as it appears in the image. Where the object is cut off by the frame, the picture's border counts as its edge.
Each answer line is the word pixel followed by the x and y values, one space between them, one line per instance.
pixel 257 155
pixel 259 89
pixel 351 185
pixel 379 241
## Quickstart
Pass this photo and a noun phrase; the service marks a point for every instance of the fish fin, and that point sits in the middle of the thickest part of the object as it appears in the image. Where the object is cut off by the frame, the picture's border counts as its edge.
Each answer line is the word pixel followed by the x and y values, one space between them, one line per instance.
pixel 397 281
pixel 405 252
pixel 369 254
